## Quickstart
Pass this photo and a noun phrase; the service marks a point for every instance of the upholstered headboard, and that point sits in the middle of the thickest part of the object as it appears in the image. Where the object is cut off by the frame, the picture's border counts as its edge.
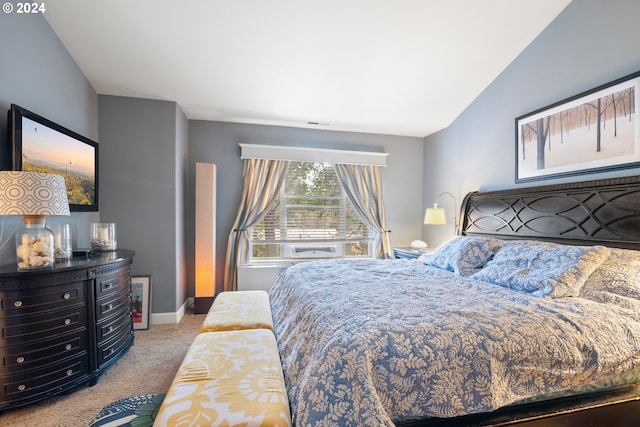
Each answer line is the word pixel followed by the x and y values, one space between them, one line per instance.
pixel 591 212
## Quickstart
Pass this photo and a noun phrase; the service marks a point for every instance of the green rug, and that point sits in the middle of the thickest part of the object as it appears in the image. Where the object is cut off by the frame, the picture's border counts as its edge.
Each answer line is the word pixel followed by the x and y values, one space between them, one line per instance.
pixel 134 411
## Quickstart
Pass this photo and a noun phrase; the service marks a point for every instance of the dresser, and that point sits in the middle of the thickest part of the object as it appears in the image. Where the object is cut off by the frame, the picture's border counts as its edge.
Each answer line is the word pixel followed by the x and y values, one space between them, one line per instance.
pixel 62 327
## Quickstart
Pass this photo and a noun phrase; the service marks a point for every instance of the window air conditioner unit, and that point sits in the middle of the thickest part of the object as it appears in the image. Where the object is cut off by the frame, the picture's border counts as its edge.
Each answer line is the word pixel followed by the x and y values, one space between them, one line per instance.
pixel 313 251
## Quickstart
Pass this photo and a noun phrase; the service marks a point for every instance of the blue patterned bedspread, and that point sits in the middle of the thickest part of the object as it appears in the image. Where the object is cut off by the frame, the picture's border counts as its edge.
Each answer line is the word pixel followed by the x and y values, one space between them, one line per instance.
pixel 370 342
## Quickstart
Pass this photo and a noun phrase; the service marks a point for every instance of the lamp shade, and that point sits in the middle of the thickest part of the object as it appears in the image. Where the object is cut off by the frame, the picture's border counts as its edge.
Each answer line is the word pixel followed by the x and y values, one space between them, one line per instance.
pixel 435 216
pixel 32 193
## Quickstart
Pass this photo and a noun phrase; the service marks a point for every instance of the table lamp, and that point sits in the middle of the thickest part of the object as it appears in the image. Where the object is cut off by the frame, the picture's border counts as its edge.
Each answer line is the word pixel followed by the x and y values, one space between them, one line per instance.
pixel 34 195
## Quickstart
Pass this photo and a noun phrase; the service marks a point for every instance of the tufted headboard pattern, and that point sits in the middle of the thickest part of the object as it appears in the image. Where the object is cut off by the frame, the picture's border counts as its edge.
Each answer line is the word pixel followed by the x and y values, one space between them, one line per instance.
pixel 591 212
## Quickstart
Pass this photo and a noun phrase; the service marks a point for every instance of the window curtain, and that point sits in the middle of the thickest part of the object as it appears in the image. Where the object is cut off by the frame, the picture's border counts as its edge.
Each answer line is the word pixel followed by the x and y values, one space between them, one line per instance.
pixel 363 185
pixel 261 182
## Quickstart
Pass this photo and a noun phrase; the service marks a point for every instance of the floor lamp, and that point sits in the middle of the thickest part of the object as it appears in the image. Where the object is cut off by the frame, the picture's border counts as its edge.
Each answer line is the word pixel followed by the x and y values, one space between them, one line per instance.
pixel 205 237
pixel 438 216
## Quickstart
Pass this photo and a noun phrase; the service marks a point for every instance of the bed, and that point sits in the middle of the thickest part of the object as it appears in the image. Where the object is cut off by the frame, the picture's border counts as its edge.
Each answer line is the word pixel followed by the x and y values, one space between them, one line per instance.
pixel 533 309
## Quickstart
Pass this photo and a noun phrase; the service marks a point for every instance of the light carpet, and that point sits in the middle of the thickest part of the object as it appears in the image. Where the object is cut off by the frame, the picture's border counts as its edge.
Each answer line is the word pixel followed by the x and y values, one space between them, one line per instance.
pixel 148 367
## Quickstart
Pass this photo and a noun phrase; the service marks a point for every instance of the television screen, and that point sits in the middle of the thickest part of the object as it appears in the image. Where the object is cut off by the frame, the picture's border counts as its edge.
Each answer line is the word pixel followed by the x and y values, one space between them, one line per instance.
pixel 40 145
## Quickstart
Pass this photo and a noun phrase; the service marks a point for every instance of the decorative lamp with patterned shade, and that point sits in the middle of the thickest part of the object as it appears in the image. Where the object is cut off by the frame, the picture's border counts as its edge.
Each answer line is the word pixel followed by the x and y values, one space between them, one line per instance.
pixel 34 195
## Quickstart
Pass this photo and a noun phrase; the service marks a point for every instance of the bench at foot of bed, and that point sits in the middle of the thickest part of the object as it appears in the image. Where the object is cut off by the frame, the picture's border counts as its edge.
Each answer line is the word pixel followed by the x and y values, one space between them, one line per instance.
pixel 228 378
pixel 234 310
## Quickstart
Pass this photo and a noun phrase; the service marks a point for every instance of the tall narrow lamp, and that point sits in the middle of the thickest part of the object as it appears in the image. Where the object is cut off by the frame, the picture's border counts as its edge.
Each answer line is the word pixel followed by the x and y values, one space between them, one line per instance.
pixel 437 215
pixel 34 195
pixel 205 239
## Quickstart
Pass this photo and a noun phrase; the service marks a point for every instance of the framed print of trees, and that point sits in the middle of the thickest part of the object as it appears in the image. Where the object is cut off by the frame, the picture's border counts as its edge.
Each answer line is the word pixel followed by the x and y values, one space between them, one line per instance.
pixel 591 132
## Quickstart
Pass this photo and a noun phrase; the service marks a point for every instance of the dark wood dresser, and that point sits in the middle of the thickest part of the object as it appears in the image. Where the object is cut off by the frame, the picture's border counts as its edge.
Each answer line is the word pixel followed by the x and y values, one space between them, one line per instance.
pixel 62 327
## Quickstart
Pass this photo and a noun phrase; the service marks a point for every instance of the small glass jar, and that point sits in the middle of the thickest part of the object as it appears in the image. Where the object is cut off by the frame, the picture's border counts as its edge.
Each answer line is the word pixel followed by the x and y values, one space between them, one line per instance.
pixel 34 244
pixel 103 236
pixel 63 250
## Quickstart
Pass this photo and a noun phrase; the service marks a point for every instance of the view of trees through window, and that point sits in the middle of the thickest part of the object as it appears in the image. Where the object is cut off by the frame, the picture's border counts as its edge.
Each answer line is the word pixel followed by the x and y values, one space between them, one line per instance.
pixel 311 209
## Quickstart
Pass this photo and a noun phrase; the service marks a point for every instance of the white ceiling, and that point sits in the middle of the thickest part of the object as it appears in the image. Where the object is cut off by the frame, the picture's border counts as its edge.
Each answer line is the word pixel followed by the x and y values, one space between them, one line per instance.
pixel 400 67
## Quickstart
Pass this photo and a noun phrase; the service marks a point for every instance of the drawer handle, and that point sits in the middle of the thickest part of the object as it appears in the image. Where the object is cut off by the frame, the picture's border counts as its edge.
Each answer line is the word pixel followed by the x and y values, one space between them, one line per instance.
pixel 67 321
pixel 20 359
pixel 110 329
pixel 68 347
pixel 108 285
pixel 17 304
pixel 108 307
pixel 69 372
pixel 22 387
pixel 66 296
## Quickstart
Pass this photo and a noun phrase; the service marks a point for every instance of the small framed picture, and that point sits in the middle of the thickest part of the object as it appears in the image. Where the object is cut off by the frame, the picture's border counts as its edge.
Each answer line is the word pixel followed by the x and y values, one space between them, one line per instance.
pixel 140 301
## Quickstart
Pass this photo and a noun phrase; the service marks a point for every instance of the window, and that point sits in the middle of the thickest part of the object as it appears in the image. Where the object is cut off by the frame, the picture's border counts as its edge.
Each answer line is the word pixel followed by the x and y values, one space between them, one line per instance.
pixel 311 218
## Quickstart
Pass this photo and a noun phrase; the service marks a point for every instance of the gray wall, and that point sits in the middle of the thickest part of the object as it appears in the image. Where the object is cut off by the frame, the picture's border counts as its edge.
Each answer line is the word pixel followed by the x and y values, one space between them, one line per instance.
pixel 37 73
pixel 590 43
pixel 142 165
pixel 215 142
pixel 181 205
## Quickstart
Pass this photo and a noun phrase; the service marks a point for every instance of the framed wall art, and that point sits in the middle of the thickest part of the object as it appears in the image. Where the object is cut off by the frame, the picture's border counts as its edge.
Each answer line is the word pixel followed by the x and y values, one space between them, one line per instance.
pixel 140 301
pixel 40 145
pixel 594 131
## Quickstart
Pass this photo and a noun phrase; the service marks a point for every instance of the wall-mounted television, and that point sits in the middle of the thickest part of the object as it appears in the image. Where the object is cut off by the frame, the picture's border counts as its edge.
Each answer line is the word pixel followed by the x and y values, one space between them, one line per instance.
pixel 39 145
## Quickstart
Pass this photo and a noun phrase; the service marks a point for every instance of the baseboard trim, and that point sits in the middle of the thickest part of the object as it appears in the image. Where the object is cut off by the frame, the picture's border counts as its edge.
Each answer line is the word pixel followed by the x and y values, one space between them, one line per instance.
pixel 170 318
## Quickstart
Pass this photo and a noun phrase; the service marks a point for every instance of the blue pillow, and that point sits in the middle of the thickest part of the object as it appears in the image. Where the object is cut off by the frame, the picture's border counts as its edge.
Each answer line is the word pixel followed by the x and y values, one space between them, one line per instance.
pixel 543 269
pixel 462 255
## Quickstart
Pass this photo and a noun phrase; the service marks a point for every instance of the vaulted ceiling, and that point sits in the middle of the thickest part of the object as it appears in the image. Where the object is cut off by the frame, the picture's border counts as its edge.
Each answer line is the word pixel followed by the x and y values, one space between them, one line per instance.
pixel 402 67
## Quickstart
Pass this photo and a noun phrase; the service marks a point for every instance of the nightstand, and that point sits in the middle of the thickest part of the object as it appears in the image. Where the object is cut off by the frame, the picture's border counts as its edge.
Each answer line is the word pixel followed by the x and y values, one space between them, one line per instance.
pixel 410 253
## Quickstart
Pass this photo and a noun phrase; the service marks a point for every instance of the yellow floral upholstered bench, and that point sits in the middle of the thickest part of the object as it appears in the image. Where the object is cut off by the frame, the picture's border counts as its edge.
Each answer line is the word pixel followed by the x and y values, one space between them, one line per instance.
pixel 228 378
pixel 234 310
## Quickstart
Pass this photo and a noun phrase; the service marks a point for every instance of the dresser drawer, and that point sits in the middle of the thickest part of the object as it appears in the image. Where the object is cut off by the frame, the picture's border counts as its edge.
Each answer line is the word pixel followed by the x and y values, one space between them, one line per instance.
pixel 22 358
pixel 112 283
pixel 45 380
pixel 114 325
pixel 20 329
pixel 110 349
pixel 17 303
pixel 115 303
